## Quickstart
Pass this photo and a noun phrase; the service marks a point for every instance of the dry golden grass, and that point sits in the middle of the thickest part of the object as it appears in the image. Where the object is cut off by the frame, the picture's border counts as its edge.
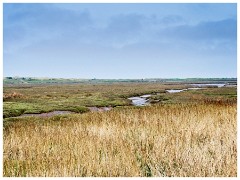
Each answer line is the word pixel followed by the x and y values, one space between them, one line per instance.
pixel 13 95
pixel 163 140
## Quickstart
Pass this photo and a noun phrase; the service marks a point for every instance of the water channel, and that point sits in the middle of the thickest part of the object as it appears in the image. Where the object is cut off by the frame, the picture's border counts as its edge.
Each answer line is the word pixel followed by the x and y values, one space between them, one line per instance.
pixel 143 100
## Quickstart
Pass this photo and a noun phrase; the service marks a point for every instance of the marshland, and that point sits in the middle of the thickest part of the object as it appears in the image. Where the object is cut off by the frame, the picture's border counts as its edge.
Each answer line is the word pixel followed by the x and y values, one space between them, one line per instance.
pixel 189 133
pixel 119 89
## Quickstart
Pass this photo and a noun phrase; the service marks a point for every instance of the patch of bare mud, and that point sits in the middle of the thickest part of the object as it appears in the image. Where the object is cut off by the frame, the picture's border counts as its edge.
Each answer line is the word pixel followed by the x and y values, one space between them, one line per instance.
pixel 99 109
pixel 49 114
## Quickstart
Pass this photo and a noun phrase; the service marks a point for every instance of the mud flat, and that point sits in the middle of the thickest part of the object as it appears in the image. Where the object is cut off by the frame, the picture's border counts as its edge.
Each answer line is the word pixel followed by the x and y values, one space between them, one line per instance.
pixel 49 114
pixel 99 109
pixel 54 113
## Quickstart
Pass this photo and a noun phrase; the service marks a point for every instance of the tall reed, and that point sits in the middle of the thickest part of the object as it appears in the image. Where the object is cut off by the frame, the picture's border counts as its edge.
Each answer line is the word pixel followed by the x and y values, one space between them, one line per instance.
pixel 180 140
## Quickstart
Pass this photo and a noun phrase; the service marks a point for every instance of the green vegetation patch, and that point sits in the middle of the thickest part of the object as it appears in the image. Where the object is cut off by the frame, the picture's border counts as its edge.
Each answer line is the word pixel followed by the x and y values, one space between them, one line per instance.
pixel 159 98
pixel 12 109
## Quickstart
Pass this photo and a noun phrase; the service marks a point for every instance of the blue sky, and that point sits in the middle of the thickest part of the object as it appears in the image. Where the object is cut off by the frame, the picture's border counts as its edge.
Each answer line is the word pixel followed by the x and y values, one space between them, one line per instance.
pixel 120 40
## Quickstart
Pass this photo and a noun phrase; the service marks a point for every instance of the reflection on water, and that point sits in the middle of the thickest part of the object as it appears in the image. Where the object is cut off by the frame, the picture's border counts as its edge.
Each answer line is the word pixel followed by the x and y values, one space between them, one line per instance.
pixel 204 85
pixel 139 101
pixel 175 90
pixel 145 96
pixel 196 87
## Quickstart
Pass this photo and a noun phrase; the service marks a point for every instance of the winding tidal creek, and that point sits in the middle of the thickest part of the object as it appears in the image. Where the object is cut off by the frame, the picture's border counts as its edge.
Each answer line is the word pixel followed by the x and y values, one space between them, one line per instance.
pixel 144 99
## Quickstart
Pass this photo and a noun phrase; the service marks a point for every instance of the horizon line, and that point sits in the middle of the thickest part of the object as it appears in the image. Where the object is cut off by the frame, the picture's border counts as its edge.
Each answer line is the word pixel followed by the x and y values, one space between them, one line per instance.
pixel 38 77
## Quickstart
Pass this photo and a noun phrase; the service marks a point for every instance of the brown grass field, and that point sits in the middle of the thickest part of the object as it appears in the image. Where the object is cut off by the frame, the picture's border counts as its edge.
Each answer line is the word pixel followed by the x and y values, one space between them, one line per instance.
pixel 180 139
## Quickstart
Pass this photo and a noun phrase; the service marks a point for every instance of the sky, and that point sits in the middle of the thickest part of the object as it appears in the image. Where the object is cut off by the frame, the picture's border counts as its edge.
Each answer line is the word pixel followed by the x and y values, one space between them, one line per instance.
pixel 120 41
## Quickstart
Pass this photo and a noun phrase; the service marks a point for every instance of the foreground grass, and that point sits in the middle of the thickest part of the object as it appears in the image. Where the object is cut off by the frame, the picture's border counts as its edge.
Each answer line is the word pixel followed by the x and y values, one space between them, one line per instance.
pixel 161 140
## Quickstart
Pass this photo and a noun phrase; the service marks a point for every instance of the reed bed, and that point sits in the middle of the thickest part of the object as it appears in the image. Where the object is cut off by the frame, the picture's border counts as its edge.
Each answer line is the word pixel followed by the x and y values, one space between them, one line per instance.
pixel 173 140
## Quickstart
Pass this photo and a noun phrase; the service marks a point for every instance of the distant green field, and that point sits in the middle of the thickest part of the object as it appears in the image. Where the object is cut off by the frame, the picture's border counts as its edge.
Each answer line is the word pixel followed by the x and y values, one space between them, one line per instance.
pixel 32 80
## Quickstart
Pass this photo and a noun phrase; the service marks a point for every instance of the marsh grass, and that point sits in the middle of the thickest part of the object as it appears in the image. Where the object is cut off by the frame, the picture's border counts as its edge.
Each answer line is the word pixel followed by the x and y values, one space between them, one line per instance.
pixel 173 140
pixel 20 99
